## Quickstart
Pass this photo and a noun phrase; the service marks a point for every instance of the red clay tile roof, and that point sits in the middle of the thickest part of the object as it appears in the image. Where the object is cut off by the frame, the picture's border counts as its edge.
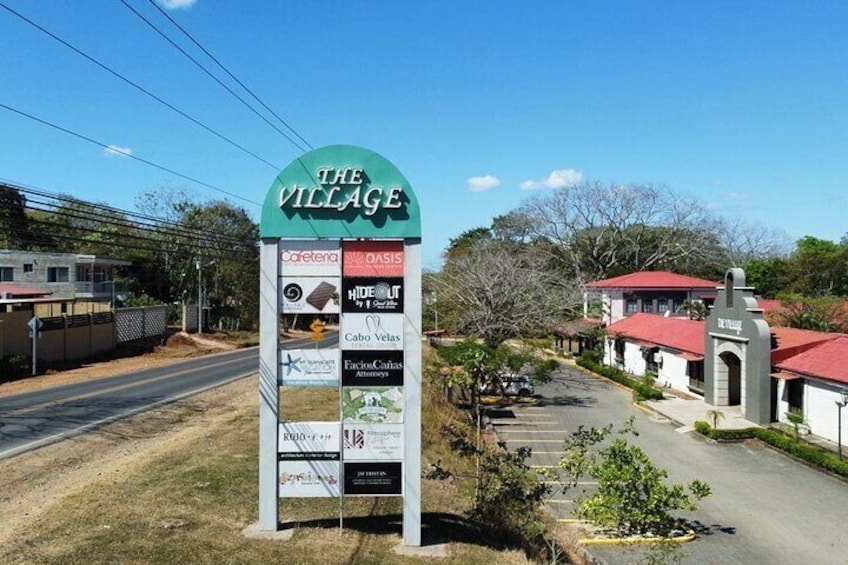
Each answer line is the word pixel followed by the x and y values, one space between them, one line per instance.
pixel 792 341
pixel 14 291
pixel 654 279
pixel 578 326
pixel 677 333
pixel 828 360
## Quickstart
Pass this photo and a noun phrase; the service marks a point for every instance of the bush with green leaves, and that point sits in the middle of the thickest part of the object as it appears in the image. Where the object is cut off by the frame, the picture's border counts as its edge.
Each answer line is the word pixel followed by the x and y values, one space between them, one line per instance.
pixel 811 454
pixel 642 389
pixel 14 367
pixel 633 496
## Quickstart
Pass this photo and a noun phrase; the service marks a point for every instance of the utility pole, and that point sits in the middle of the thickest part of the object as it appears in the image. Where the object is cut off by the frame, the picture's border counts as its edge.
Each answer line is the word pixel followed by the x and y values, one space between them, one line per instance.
pixel 199 297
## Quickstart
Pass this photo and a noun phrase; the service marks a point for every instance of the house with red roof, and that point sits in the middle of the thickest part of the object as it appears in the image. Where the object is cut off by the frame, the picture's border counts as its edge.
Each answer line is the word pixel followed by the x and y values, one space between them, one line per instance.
pixel 734 358
pixel 649 292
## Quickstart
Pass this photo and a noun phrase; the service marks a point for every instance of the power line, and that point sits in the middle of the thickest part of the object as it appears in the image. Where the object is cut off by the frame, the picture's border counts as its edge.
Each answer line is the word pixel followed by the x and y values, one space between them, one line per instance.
pixel 126 154
pixel 226 70
pixel 90 212
pixel 211 75
pixel 150 219
pixel 136 86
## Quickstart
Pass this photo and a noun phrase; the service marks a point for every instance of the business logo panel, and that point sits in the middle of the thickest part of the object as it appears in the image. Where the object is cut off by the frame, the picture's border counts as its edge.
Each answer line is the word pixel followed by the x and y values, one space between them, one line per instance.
pixel 309 367
pixel 372 368
pixel 371 331
pixel 372 405
pixel 309 479
pixel 310 441
pixel 310 295
pixel 314 258
pixel 369 479
pixel 372 294
pixel 373 442
pixel 373 259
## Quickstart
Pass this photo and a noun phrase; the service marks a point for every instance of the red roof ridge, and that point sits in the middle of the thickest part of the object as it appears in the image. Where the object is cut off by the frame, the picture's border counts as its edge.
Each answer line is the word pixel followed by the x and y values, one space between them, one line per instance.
pixel 654 279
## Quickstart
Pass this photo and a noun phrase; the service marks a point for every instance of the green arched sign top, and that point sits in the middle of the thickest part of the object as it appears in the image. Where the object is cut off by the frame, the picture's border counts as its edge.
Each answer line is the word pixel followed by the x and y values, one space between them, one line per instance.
pixel 340 191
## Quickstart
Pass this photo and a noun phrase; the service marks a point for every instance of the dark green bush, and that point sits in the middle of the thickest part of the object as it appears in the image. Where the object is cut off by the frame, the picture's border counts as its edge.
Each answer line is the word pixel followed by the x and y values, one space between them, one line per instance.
pixel 806 452
pixel 14 367
pixel 641 389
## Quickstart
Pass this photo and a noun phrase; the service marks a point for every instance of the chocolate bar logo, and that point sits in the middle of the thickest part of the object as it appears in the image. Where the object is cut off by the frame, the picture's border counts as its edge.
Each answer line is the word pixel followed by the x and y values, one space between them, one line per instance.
pixel 310 295
pixel 292 292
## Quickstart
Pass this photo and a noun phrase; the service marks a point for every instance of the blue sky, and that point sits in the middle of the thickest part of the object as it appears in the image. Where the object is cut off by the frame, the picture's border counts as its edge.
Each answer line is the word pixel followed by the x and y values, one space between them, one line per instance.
pixel 741 104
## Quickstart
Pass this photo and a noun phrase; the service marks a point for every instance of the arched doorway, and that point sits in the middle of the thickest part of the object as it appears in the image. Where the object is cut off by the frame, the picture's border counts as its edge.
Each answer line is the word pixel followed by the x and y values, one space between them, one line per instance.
pixel 730 369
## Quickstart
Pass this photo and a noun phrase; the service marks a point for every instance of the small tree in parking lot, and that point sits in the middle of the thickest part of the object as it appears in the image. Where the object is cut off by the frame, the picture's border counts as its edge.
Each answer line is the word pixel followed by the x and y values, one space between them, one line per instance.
pixel 633 496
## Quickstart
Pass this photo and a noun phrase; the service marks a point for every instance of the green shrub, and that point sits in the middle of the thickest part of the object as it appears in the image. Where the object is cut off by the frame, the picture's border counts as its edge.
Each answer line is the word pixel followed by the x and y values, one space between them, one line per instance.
pixel 14 367
pixel 642 390
pixel 806 452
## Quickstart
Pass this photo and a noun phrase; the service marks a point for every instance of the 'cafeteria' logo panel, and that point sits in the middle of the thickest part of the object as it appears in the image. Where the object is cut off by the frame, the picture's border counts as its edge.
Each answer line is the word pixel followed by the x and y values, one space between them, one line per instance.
pixel 310 295
pixel 315 258
pixel 371 294
pixel 371 331
pixel 309 367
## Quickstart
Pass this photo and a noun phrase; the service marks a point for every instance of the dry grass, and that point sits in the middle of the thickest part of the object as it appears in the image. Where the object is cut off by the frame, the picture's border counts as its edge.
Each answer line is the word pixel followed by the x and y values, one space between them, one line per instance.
pixel 190 499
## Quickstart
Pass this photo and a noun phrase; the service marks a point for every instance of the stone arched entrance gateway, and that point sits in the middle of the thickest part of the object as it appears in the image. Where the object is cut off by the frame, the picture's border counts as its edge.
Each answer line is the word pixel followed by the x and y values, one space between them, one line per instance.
pixel 737 347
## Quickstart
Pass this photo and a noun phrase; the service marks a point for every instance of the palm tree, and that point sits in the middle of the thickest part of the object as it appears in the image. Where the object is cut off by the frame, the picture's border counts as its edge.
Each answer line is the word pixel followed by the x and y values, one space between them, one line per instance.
pixel 715 415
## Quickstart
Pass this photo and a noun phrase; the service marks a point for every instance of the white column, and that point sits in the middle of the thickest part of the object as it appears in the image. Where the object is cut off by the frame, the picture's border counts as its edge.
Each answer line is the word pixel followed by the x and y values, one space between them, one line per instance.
pixel 412 394
pixel 269 391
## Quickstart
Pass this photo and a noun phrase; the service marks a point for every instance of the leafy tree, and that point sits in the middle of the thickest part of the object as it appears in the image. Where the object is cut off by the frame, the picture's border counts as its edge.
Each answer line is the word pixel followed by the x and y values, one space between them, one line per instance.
pixel 825 314
pixel 819 268
pixel 633 496
pixel 695 309
pixel 769 276
pixel 467 241
pixel 16 230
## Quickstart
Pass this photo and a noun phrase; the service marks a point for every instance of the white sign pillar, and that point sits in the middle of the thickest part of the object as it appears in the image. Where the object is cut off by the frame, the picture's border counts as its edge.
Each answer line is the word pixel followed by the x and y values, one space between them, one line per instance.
pixel 412 397
pixel 269 391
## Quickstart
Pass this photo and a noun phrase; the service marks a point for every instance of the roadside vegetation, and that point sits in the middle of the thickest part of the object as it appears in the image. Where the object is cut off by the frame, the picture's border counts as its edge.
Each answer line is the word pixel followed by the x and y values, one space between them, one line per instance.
pixel 789 444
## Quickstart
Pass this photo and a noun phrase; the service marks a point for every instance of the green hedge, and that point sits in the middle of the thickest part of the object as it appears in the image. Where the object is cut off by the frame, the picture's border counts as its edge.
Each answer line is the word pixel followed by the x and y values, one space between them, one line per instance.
pixel 808 453
pixel 642 390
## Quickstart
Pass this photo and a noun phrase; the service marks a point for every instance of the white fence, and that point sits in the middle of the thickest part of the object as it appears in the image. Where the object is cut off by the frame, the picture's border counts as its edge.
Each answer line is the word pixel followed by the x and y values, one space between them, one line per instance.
pixel 138 323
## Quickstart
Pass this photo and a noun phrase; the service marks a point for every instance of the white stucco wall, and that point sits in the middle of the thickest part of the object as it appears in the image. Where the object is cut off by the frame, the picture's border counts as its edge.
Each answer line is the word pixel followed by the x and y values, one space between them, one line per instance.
pixel 821 412
pixel 673 372
pixel 614 305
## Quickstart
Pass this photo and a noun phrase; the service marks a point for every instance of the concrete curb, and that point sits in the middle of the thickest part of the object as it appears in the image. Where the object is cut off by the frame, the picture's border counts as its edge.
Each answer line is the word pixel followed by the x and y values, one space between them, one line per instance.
pixel 685 538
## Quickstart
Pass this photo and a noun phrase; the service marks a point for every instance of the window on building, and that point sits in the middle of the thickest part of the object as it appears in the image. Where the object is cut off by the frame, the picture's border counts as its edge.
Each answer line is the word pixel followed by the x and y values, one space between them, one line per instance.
pixel 27 267
pixel 662 305
pixel 631 306
pixel 676 305
pixel 619 351
pixel 795 392
pixel 7 274
pixel 696 376
pixel 57 274
pixel 648 306
pixel 652 356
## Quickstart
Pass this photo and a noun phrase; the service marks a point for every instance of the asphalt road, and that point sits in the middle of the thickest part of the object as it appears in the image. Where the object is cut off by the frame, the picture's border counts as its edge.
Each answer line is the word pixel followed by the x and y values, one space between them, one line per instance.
pixel 765 507
pixel 33 419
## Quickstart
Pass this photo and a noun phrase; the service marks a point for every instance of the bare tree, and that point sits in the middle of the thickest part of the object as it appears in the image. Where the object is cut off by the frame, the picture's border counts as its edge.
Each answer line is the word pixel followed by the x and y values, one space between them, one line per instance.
pixel 601 228
pixel 742 242
pixel 501 290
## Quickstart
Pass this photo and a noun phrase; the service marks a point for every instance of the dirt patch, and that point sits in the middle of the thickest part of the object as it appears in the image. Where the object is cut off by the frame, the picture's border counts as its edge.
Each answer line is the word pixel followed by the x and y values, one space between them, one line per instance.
pixel 34 481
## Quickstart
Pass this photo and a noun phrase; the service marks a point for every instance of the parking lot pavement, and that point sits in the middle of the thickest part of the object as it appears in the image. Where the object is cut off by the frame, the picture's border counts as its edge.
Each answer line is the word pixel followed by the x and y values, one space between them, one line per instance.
pixel 765 507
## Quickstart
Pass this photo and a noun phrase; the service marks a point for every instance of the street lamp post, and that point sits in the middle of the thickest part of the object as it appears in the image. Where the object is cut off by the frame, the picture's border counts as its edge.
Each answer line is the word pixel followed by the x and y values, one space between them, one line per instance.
pixel 199 298
pixel 840 404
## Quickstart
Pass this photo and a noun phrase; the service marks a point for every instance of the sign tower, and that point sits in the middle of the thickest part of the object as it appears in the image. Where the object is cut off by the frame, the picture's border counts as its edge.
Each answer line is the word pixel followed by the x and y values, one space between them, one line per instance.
pixel 341 235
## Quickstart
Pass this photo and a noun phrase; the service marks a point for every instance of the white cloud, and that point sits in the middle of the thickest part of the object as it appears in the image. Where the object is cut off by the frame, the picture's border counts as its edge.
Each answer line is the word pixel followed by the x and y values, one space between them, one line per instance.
pixel 117 151
pixel 560 178
pixel 736 196
pixel 177 4
pixel 480 184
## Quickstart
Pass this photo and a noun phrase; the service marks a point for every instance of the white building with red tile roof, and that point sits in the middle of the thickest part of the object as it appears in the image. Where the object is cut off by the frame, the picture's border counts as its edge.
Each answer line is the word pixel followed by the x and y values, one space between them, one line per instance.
pixel 650 292
pixel 735 358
